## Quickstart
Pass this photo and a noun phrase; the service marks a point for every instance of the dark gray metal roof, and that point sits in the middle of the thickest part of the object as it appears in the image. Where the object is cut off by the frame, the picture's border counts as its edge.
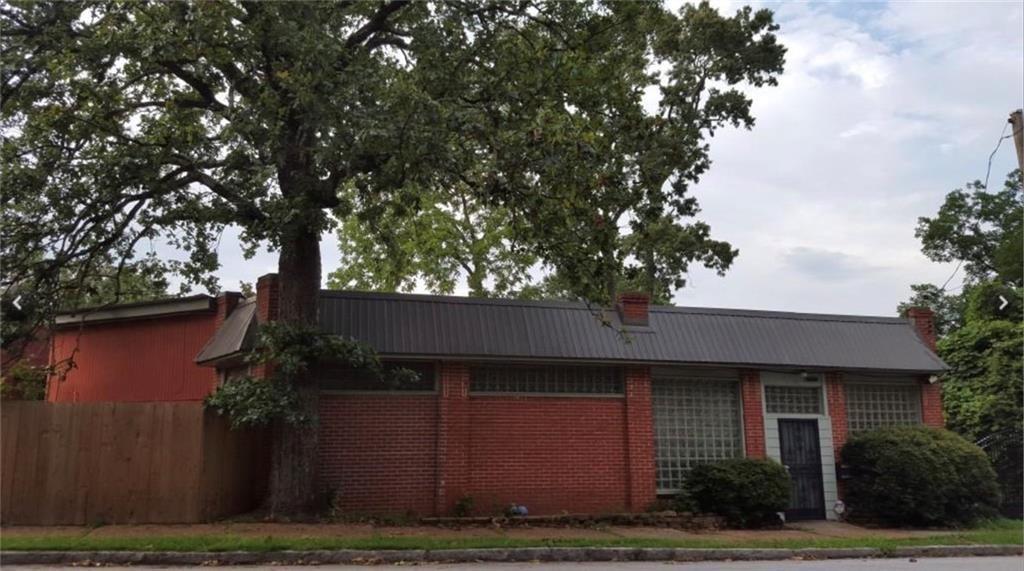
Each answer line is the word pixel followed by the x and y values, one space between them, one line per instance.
pixel 434 326
pixel 234 335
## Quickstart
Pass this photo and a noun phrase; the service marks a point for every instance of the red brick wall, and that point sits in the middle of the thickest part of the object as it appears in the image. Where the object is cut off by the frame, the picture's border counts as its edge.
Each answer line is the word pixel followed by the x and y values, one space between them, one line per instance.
pixel 640 439
pixel 835 394
pixel 931 404
pixel 453 436
pixel 548 453
pixel 378 452
pixel 753 413
pixel 395 453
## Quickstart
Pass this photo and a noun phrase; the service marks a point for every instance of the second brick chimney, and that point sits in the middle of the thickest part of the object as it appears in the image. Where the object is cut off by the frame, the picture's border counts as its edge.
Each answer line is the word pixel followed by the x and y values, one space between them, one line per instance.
pixel 923 320
pixel 226 303
pixel 634 308
pixel 267 298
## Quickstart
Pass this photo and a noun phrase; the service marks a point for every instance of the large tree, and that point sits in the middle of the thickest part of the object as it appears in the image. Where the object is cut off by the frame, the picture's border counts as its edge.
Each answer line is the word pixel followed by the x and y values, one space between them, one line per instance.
pixel 125 122
pixel 609 168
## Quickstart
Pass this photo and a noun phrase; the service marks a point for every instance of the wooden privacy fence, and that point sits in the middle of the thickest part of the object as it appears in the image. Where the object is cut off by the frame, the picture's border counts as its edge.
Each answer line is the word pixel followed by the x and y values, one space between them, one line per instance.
pixel 92 463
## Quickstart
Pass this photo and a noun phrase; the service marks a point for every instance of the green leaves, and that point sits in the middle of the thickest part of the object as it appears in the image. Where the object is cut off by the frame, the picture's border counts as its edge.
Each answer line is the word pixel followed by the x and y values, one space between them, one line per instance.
pixel 254 403
pixel 290 352
pixel 981 228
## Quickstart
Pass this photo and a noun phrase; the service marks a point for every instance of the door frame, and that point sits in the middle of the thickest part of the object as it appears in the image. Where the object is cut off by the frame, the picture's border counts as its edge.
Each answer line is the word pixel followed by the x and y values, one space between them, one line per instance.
pixel 771 428
pixel 808 514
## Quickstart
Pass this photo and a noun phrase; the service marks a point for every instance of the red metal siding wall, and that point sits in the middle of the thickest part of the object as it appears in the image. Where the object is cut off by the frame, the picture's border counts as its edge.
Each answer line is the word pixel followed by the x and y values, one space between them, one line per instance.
pixel 135 361
pixel 548 453
pixel 378 452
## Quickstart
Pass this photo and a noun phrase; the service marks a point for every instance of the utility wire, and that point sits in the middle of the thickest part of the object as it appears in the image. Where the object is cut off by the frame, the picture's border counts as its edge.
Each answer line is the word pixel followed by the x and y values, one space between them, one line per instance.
pixel 1002 136
pixel 988 172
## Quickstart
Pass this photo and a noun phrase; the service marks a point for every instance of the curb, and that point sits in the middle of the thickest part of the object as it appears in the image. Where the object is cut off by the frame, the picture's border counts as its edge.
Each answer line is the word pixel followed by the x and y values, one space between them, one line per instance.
pixel 542 554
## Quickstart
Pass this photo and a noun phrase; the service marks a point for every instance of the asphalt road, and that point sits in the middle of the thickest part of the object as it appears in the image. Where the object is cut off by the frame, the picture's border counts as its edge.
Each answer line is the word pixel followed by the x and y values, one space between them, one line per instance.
pixel 936 564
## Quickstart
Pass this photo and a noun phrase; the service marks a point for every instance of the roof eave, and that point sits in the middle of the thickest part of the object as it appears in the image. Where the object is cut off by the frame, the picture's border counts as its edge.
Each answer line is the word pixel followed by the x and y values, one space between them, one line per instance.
pixel 145 310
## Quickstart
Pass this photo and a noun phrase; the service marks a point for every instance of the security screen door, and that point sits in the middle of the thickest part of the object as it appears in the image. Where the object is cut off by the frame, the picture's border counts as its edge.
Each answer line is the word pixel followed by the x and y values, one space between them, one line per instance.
pixel 801 454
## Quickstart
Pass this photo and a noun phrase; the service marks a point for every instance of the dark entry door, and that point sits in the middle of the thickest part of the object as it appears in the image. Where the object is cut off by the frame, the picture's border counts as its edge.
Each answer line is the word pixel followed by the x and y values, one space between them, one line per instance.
pixel 801 454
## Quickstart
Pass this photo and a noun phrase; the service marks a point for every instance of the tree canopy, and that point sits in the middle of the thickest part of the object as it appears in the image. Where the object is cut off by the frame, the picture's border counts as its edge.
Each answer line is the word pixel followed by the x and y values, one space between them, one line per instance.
pixel 601 179
pixel 981 229
pixel 980 336
pixel 129 122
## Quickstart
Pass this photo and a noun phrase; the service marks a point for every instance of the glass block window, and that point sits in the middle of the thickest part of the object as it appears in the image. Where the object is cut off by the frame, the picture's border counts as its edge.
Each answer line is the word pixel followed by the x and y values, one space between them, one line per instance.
pixel 792 400
pixel 338 377
pixel 547 380
pixel 874 405
pixel 696 421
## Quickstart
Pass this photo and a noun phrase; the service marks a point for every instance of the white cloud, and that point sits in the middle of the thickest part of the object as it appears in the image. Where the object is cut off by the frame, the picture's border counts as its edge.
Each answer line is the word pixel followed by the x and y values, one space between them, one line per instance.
pixel 879 114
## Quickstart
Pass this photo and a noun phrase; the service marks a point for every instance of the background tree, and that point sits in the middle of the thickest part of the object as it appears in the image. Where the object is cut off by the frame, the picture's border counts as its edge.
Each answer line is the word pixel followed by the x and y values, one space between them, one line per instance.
pixel 126 122
pixel 981 229
pixel 452 235
pixel 982 232
pixel 979 339
pixel 948 307
pixel 983 391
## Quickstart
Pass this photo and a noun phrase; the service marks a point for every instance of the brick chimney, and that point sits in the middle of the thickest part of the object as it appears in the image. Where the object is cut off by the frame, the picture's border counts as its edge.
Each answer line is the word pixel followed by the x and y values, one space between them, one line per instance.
pixel 267 298
pixel 924 322
pixel 226 303
pixel 633 308
pixel 266 311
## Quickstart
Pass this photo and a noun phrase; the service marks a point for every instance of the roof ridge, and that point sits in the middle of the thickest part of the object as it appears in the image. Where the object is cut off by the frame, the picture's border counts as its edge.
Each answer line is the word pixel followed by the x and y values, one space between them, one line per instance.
pixel 581 306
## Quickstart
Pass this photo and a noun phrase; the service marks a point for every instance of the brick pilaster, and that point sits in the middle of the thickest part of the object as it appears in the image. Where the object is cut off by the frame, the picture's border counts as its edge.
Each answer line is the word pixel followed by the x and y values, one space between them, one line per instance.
pixel 639 439
pixel 452 436
pixel 835 393
pixel 753 413
pixel 931 404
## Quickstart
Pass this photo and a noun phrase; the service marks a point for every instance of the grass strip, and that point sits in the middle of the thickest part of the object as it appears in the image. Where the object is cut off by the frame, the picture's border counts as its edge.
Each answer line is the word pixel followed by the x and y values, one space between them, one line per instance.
pixel 997 533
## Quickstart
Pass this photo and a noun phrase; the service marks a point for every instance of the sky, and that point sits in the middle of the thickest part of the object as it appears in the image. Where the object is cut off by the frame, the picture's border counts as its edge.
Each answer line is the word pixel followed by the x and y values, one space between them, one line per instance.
pixel 882 110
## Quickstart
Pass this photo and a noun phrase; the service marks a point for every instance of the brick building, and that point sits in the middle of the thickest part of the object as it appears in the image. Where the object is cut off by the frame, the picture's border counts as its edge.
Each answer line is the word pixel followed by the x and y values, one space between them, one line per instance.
pixel 546 405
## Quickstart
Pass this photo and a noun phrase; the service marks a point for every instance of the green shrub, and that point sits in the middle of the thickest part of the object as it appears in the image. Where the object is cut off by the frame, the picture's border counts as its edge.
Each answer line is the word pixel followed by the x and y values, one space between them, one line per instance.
pixel 747 492
pixel 23 382
pixel 920 476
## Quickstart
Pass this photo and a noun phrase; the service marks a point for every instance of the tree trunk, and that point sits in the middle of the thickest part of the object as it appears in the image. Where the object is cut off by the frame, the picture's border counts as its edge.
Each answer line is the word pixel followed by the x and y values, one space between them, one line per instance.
pixel 292 486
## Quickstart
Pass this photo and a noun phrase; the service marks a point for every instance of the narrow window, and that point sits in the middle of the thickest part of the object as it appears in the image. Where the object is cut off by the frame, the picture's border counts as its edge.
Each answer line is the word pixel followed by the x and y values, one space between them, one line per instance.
pixel 780 399
pixel 344 378
pixel 547 380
